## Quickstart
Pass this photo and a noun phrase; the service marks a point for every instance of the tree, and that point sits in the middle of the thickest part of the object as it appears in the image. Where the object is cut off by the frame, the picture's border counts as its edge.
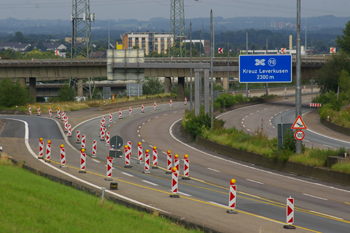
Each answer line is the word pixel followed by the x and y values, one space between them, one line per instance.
pixel 344 81
pixel 343 41
pixel 66 93
pixel 19 37
pixel 152 86
pixel 13 93
pixel 136 47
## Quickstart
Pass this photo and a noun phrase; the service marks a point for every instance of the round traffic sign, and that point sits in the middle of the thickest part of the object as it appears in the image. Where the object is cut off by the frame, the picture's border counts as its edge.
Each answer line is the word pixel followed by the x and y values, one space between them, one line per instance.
pixel 299 135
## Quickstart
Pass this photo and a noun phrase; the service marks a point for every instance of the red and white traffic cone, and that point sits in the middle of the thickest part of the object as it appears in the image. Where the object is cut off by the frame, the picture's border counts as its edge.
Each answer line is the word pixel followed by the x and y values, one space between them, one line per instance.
pixel 169 162
pixel 48 151
pixel 30 110
pixel 177 163
pixel 82 161
pixel 185 101
pixel 140 151
pixel 233 93
pixel 290 213
pixel 109 168
pixel 110 117
pixel 120 114
pixel 142 108
pixel 130 111
pixel 83 141
pixel 103 132
pixel 171 103
pixel 232 198
pixel 50 111
pixel 186 168
pixel 127 157
pixel 155 105
pixel 39 112
pixel 41 149
pixel 58 113
pixel 78 136
pixel 147 158
pixel 94 148
pixel 69 130
pixel 155 158
pixel 174 183
pixel 63 156
pixel 107 138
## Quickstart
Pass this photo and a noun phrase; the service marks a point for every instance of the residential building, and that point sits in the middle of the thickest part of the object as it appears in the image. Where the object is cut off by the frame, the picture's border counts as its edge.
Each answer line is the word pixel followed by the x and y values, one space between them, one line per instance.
pixel 149 41
pixel 15 46
pixel 205 45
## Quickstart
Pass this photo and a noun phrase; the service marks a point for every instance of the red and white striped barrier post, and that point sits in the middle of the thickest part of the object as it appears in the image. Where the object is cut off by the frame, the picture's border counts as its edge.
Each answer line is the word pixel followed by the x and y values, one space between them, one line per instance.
pixel 65 126
pixel 268 91
pixel 290 213
pixel 83 141
pixel 69 130
pixel 186 168
pixel 41 148
pixel 30 110
pixel 147 158
pixel 58 113
pixel 78 136
pixel 171 103
pixel 94 148
pixel 48 151
pixel 103 122
pixel 304 88
pixel 248 93
pixel 174 183
pixel 140 151
pixel 233 93
pixel 82 161
pixel 177 163
pixel 142 108
pixel 50 111
pixel 63 115
pixel 108 138
pixel 130 111
pixel 103 132
pixel 130 146
pixel 127 156
pixel 120 114
pixel 285 90
pixel 317 105
pixel 185 101
pixel 232 197
pixel 155 158
pixel 109 168
pixel 169 162
pixel 63 156
pixel 110 117
pixel 155 105
pixel 39 112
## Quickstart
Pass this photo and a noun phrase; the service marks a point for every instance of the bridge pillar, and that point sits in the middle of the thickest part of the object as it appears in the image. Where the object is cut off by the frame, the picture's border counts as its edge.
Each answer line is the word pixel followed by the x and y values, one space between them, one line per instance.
pixel 218 80
pixel 32 88
pixel 225 84
pixel 197 84
pixel 181 87
pixel 22 81
pixel 80 87
pixel 206 91
pixel 167 85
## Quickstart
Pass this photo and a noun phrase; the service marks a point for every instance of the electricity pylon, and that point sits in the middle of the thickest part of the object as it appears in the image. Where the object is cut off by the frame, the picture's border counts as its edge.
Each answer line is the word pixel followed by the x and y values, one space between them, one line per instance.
pixel 177 22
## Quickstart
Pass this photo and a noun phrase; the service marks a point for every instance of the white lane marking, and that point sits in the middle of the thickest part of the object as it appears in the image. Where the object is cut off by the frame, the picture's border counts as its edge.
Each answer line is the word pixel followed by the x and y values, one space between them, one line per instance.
pixel 149 119
pixel 258 111
pixel 26 141
pixel 217 204
pixel 140 127
pixel 315 196
pixel 127 174
pixel 274 127
pixel 326 215
pixel 242 122
pixel 248 129
pixel 306 140
pixel 175 112
pixel 270 123
pixel 143 140
pixel 165 114
pixel 185 194
pixel 156 117
pixel 265 108
pixel 244 126
pixel 327 136
pixel 211 169
pixel 254 181
pixel 150 145
pixel 109 126
pixel 143 123
pixel 242 119
pixel 326 145
pixel 163 152
pixel 139 135
pixel 138 131
pixel 270 120
pixel 95 160
pixel 149 182
pixel 243 165
pixel 251 113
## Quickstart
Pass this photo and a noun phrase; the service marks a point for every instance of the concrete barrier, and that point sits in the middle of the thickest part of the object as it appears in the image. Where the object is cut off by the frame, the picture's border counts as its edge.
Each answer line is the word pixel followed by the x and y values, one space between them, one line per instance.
pixel 335 127
pixel 13 112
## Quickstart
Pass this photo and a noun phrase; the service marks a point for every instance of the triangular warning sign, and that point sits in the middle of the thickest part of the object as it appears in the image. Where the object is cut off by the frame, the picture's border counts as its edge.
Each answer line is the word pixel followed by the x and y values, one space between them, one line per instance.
pixel 298 124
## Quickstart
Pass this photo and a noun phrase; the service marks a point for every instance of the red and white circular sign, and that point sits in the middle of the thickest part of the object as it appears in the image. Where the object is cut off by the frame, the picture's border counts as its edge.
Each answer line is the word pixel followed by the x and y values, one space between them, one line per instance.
pixel 299 135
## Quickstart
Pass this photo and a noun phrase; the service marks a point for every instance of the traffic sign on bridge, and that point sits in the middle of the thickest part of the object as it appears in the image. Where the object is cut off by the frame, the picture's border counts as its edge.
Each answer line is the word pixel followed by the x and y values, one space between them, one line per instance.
pixel 265 68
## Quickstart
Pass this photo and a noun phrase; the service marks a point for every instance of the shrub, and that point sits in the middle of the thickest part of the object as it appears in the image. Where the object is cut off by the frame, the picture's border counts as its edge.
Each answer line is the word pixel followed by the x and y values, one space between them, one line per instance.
pixel 152 86
pixel 66 93
pixel 13 93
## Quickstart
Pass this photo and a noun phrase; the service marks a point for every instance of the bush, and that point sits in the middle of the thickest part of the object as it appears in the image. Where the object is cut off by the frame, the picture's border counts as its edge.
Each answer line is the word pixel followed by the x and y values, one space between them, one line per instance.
pixel 13 93
pixel 152 86
pixel 66 93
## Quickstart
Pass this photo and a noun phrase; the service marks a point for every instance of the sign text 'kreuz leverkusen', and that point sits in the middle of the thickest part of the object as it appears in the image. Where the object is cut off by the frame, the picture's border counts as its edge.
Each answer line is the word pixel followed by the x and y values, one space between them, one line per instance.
pixel 265 68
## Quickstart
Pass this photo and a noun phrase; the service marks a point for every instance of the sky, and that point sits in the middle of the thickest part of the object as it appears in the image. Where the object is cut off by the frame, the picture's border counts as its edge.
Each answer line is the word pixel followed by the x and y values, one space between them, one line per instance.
pixel 146 9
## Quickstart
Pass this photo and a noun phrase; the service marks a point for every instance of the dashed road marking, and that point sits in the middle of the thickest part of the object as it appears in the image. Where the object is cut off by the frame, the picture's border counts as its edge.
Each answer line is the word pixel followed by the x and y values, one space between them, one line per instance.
pixel 149 182
pixel 96 161
pixel 139 135
pixel 248 130
pixel 138 131
pixel 150 145
pixel 217 204
pixel 244 126
pixel 149 119
pixel 163 152
pixel 254 181
pixel 127 174
pixel 184 194
pixel 315 196
pixel 211 169
pixel 325 214
pixel 156 117
pixel 143 140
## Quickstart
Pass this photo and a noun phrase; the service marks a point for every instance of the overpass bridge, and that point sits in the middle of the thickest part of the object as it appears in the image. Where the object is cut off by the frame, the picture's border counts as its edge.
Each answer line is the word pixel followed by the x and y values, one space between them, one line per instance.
pixel 36 70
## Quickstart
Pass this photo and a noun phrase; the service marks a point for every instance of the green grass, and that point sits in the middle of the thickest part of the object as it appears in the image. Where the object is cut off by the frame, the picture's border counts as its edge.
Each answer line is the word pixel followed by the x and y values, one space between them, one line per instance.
pixel 341 167
pixel 30 203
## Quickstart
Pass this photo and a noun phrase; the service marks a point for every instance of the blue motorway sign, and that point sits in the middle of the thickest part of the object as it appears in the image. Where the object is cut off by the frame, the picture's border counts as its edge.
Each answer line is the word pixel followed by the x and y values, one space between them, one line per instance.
pixel 265 68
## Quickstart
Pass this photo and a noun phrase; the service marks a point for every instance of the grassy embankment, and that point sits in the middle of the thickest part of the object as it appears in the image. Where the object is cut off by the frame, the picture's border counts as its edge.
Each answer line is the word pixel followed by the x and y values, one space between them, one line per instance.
pixel 31 203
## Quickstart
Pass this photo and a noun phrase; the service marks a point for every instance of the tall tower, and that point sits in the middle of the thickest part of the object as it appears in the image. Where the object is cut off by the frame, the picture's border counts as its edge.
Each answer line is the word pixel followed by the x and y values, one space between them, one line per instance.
pixel 177 21
pixel 81 28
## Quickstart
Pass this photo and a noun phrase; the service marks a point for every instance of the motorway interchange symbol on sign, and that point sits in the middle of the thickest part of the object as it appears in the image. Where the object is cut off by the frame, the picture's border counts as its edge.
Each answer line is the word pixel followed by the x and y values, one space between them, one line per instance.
pixel 265 68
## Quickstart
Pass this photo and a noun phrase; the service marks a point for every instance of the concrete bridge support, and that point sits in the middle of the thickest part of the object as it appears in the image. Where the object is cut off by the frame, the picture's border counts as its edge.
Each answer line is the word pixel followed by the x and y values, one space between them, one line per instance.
pixel 22 81
pixel 181 88
pixel 197 94
pixel 167 85
pixel 80 87
pixel 32 88
pixel 218 80
pixel 206 91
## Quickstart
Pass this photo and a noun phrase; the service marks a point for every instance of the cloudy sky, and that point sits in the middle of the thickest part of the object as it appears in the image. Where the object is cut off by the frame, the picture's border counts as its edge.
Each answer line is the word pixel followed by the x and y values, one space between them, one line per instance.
pixel 146 9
